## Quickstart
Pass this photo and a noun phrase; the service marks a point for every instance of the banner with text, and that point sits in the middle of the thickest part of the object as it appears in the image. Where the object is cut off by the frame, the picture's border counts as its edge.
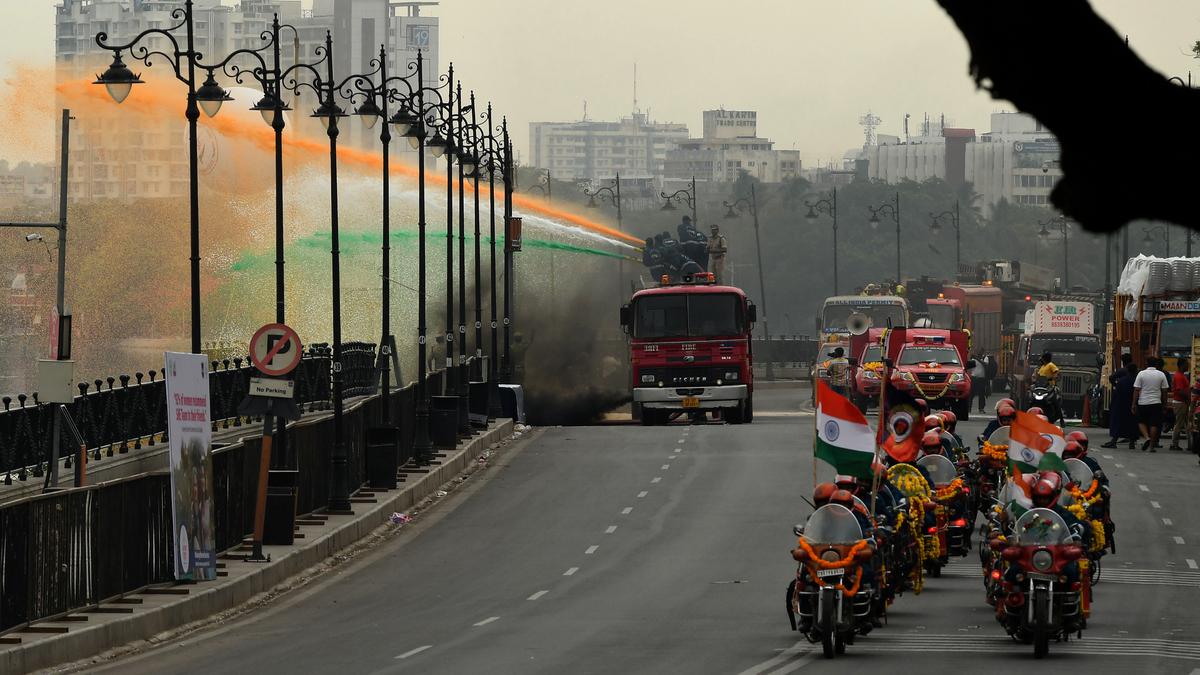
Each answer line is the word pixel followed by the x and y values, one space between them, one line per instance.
pixel 190 434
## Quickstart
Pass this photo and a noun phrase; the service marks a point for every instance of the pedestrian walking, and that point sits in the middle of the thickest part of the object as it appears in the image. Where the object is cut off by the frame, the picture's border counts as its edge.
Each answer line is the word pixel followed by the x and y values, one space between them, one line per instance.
pixel 717 249
pixel 1122 425
pixel 979 382
pixel 1181 394
pixel 1150 390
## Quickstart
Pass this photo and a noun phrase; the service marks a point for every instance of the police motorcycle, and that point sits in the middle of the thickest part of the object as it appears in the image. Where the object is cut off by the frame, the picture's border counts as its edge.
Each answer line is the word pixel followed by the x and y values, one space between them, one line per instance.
pixel 1041 586
pixel 830 600
pixel 1047 397
pixel 1085 498
pixel 990 469
pixel 951 497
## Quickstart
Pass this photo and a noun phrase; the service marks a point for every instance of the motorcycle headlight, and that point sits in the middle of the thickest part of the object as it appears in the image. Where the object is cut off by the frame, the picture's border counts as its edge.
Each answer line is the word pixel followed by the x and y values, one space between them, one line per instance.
pixel 647 379
pixel 831 556
pixel 1043 560
pixel 956 377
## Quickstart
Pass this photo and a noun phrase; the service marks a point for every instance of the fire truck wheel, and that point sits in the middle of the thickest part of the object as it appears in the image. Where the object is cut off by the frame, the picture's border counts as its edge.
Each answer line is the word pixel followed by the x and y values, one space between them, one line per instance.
pixel 651 417
pixel 748 412
pixel 736 414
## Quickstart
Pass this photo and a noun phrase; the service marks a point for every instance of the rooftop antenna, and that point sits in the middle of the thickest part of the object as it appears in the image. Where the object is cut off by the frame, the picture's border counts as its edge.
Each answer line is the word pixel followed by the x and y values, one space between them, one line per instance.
pixel 585 110
pixel 869 122
pixel 943 124
pixel 635 107
pixel 906 127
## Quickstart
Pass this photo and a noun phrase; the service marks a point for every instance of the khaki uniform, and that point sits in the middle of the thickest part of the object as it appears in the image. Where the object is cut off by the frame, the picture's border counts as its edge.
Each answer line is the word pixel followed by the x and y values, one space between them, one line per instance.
pixel 716 256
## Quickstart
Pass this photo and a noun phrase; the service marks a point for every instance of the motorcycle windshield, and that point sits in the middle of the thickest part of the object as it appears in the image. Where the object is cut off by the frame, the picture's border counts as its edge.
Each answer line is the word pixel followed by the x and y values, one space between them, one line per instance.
pixel 1040 527
pixel 999 436
pixel 907 480
pixel 1080 473
pixel 948 438
pixel 940 469
pixel 832 524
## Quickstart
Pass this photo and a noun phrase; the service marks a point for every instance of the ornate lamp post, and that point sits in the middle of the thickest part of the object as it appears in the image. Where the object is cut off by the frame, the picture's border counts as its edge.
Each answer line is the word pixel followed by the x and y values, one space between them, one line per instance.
pixel 736 207
pixel 935 227
pixel 611 194
pixel 827 205
pixel 543 185
pixel 490 154
pixel 1060 223
pixel 687 196
pixel 118 79
pixel 891 210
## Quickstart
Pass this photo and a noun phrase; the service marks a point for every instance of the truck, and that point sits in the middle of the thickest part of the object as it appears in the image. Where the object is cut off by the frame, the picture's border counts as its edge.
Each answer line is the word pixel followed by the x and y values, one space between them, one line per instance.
pixel 1155 317
pixel 843 315
pixel 931 363
pixel 1066 329
pixel 690 350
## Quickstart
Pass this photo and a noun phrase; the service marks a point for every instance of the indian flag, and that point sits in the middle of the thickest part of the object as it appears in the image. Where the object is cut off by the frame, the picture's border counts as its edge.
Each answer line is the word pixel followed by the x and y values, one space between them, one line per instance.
pixel 1034 445
pixel 843 437
pixel 1020 492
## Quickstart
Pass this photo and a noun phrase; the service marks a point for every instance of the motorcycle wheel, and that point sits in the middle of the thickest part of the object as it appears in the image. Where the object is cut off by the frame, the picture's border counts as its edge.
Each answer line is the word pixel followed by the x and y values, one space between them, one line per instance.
pixel 935 570
pixel 827 622
pixel 1095 571
pixel 1041 636
pixel 839 645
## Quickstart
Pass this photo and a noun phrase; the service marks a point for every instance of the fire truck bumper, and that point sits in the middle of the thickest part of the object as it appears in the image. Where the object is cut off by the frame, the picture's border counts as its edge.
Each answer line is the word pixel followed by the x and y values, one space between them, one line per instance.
pixel 705 397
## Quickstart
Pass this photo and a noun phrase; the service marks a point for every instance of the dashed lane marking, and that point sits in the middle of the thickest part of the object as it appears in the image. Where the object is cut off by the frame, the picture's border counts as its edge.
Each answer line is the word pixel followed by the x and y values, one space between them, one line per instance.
pixel 1119 466
pixel 1143 488
pixel 665 467
pixel 591 549
pixel 610 529
pixel 1167 521
pixel 571 571
pixel 1107 456
pixel 681 441
pixel 1179 540
pixel 414 652
pixel 678 449
pixel 642 494
pixel 1109 646
pixel 537 595
pixel 656 479
pixel 488 620
pixel 627 510
pixel 1192 564
pixel 1139 577
pixel 788 654
pixel 1156 505
pixel 1131 475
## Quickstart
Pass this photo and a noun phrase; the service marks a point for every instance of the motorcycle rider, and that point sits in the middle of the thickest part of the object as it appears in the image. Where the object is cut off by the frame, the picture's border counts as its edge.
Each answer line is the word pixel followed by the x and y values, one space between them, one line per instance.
pixel 1006 412
pixel 950 422
pixel 931 444
pixel 1080 451
pixel 1048 371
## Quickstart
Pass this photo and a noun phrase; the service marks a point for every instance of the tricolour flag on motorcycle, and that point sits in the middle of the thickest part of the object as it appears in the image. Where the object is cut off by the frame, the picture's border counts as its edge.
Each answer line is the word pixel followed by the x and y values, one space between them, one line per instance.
pixel 1035 445
pixel 843 437
pixel 1020 492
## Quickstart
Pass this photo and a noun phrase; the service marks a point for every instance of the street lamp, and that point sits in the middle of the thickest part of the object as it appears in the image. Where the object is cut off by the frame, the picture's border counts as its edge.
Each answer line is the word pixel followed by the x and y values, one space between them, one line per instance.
pixel 1152 233
pixel 734 209
pixel 1059 223
pixel 890 210
pixel 935 227
pixel 118 79
pixel 612 195
pixel 827 205
pixel 686 195
pixel 543 185
pixel 491 154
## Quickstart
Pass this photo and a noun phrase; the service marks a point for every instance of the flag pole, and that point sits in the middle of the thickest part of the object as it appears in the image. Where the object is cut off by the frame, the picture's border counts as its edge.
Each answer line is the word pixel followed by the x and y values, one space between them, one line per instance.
pixel 817 397
pixel 879 426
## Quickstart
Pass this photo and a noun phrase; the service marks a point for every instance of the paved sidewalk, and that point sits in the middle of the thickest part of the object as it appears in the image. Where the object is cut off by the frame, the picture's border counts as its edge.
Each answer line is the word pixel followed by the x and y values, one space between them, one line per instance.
pixel 142 615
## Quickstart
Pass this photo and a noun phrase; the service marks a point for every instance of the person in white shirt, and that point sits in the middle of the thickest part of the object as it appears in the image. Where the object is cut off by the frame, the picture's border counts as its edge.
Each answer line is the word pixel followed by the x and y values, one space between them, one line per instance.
pixel 1150 389
pixel 978 374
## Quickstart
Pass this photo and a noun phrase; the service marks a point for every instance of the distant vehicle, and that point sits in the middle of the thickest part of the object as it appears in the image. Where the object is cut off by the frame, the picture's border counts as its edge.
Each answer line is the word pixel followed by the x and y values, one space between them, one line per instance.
pixel 866 368
pixel 690 350
pixel 932 365
pixel 1066 330
pixel 840 312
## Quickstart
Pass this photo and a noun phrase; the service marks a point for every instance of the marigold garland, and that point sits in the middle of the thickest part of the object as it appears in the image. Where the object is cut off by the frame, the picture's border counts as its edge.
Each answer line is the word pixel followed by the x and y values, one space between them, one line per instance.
pixel 995 454
pixel 954 489
pixel 1085 495
pixel 828 565
pixel 876 366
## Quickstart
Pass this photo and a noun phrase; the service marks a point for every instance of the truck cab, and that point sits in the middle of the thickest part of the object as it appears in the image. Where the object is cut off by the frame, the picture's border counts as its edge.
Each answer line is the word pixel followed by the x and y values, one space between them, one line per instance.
pixel 1065 329
pixel 690 350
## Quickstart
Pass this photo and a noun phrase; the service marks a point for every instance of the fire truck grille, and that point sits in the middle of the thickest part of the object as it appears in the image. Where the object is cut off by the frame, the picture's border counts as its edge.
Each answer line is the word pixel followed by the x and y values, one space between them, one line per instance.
pixel 931 378
pixel 690 377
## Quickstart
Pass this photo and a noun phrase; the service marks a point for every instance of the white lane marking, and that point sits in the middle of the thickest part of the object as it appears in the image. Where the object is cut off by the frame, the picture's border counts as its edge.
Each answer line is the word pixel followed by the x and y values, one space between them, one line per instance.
pixel 537 595
pixel 656 479
pixel 678 449
pixel 1167 521
pixel 665 467
pixel 488 620
pixel 1156 505
pixel 785 655
pixel 610 529
pixel 681 441
pixel 571 571
pixel 414 652
pixel 796 664
pixel 1131 475
pixel 1178 540
pixel 1119 466
pixel 591 549
pixel 1192 564
pixel 1107 456
pixel 1143 488
pixel 642 494
pixel 627 510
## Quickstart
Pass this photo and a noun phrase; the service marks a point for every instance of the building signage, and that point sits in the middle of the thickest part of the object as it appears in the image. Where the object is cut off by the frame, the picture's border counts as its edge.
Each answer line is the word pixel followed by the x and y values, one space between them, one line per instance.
pixel 1063 317
pixel 1179 305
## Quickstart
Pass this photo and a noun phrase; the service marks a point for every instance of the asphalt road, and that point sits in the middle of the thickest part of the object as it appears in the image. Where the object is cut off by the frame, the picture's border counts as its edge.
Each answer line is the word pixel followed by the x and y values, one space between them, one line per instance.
pixel 623 549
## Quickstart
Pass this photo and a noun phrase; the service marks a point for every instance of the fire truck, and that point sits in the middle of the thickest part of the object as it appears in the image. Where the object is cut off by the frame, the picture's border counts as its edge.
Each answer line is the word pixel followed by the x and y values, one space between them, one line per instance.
pixel 931 364
pixel 690 350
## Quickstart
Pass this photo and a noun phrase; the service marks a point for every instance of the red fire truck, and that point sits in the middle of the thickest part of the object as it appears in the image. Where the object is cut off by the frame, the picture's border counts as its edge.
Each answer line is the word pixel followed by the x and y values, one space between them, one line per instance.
pixel 931 364
pixel 690 350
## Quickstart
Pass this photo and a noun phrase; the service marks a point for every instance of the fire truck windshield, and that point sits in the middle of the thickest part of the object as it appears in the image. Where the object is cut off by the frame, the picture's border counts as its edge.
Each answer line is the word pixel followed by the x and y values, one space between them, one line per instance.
pixel 688 315
pixel 946 356
pixel 943 316
pixel 835 316
pixel 1176 335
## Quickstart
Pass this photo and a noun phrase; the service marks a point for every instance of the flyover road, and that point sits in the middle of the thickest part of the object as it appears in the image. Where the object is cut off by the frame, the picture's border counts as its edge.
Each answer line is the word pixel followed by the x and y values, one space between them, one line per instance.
pixel 623 549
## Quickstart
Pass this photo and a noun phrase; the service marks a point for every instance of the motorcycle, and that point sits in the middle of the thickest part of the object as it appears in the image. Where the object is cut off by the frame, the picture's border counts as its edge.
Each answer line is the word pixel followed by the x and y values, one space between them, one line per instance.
pixel 1047 398
pixel 1092 500
pixel 829 595
pixel 990 468
pixel 1042 585
pixel 950 512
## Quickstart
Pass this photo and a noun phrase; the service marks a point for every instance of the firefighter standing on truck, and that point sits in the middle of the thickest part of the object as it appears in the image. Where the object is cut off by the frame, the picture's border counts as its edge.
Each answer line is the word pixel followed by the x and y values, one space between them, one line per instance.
pixel 717 249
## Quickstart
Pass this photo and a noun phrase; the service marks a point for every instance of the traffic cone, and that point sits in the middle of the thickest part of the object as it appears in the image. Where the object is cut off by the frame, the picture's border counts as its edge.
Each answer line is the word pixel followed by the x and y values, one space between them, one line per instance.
pixel 1087 412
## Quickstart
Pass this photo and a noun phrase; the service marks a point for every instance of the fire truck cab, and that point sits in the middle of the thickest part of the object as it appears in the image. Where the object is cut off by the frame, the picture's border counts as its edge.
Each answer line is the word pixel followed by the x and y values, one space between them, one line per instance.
pixel 690 350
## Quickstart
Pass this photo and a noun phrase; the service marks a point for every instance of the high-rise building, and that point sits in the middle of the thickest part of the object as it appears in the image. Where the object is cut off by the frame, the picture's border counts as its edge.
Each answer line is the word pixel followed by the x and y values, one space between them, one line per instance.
pixel 634 147
pixel 730 145
pixel 113 159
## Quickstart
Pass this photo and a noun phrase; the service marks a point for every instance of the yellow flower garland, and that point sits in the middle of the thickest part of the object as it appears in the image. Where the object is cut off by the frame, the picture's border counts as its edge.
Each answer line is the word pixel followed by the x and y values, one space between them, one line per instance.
pixel 1078 510
pixel 876 366
pixel 995 454
pixel 954 489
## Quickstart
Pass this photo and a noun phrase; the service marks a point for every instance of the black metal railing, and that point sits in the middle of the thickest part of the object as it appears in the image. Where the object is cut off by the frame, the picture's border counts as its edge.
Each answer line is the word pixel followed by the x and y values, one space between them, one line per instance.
pixel 124 413
pixel 72 549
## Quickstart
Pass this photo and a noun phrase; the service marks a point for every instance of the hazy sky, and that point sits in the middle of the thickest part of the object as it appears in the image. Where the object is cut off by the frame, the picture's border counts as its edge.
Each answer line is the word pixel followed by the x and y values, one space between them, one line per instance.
pixel 810 67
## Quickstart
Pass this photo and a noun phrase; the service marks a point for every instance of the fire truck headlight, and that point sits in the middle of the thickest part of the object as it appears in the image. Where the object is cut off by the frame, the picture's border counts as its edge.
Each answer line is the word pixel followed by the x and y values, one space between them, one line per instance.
pixel 732 376
pixel 647 379
pixel 720 382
